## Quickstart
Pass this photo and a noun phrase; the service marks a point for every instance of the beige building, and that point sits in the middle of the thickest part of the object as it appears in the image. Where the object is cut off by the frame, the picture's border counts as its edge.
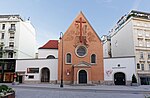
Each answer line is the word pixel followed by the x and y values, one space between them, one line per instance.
pixel 131 37
pixel 17 41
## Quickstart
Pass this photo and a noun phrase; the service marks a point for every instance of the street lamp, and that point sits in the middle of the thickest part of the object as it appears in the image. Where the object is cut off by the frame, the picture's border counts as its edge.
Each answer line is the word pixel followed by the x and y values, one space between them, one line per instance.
pixel 61 80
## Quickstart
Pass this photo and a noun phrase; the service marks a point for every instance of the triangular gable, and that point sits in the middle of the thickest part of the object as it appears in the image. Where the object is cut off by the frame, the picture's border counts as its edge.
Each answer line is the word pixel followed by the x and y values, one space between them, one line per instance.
pixel 81 32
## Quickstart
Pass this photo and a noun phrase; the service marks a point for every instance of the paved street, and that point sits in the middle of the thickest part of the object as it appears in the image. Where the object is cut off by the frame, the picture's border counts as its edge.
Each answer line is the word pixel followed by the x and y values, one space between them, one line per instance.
pixel 49 93
pixel 70 91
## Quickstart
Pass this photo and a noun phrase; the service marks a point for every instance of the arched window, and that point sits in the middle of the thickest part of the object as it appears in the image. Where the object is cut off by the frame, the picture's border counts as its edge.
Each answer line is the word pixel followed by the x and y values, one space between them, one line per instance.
pixel 68 58
pixel 50 57
pixel 10 55
pixel 93 58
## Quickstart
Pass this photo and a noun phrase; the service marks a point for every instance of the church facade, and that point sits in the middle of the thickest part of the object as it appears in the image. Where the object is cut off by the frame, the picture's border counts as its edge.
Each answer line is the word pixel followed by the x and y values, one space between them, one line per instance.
pixel 76 59
pixel 80 55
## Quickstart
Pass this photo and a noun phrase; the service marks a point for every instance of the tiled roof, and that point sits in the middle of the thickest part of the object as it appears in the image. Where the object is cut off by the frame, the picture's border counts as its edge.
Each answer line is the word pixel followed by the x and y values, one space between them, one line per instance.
pixel 51 44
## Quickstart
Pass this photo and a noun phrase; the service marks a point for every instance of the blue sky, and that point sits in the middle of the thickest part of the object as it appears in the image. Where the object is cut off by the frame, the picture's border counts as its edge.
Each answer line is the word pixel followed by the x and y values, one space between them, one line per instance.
pixel 50 17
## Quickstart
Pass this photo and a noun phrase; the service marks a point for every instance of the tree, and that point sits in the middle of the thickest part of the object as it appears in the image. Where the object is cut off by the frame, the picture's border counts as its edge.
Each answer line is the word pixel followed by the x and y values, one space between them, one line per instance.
pixel 134 80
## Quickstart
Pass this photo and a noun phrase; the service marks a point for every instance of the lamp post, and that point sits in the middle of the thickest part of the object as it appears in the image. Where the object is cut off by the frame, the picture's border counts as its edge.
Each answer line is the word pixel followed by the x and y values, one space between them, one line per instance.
pixel 61 80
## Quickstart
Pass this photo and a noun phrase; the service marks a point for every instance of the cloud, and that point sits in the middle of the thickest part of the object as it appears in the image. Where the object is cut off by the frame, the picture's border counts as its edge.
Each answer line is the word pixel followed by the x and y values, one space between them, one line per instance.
pixel 136 4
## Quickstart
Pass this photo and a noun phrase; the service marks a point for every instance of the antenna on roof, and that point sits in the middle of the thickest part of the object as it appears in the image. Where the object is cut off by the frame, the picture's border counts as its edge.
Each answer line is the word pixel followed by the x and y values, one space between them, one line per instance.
pixel 28 18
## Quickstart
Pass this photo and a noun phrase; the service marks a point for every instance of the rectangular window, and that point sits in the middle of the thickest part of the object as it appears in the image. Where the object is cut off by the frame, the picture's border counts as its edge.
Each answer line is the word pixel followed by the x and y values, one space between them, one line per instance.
pixel 139 32
pixel 3 26
pixel 1 46
pixel 12 35
pixel 148 43
pixel 9 66
pixel 1 54
pixel 2 36
pixel 11 44
pixel 12 27
pixel 146 34
pixel 138 24
pixel 140 42
pixel 148 55
pixel 10 55
pixel 138 66
pixel 141 55
pixel 31 77
pixel 146 25
pixel 32 70
pixel 142 66
pixel 5 66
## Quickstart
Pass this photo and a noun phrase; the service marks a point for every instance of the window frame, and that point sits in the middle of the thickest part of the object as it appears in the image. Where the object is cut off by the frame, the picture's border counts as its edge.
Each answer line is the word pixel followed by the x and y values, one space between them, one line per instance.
pixel 50 57
pixel 11 44
pixel 76 50
pixel 148 55
pixel 31 77
pixel 12 35
pixel 140 42
pixel 142 67
pixel 3 26
pixel 1 55
pixel 94 60
pixel 141 55
pixel 13 26
pixel 67 58
pixel 140 32
pixel 10 55
pixel 138 66
pixel 2 35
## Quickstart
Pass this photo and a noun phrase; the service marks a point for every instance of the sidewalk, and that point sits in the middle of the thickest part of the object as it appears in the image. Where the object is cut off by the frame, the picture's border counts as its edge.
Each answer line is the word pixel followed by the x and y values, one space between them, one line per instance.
pixel 142 88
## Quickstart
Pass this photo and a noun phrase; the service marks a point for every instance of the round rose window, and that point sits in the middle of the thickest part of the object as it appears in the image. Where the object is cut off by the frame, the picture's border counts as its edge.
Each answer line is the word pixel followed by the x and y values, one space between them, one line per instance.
pixel 81 51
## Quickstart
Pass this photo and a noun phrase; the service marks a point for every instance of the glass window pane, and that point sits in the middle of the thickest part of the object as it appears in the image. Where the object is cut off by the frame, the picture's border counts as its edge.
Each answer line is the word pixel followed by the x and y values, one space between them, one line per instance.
pixel 68 58
pixel 81 51
pixel 93 58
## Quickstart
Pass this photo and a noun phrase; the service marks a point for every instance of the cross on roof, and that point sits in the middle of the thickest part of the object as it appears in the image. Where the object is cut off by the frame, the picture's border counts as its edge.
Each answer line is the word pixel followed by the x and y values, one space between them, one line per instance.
pixel 80 21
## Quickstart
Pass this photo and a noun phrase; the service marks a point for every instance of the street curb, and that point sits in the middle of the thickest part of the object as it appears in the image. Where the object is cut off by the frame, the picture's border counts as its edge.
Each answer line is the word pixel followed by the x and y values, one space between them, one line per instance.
pixel 83 89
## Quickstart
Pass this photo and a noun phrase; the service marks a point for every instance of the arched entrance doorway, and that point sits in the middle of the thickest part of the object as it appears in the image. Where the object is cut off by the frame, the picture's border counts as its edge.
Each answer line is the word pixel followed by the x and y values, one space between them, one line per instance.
pixel 119 78
pixel 82 77
pixel 45 74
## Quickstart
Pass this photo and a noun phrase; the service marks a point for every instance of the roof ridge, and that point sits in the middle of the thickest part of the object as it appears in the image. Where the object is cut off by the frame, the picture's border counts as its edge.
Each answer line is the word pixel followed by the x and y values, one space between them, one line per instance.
pixel 51 44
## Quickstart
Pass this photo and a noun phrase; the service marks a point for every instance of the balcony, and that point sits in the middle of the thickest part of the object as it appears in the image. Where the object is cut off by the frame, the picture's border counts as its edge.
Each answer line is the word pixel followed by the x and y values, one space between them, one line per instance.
pixel 148 60
pixel 12 29
pixel 9 49
pixel 143 71
pixel 142 60
pixel 1 44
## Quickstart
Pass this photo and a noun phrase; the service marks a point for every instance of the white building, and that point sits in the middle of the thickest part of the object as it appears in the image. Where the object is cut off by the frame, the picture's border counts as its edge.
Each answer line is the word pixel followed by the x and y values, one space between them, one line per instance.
pixel 17 41
pixel 42 69
pixel 49 50
pixel 131 37
pixel 106 46
pixel 119 70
